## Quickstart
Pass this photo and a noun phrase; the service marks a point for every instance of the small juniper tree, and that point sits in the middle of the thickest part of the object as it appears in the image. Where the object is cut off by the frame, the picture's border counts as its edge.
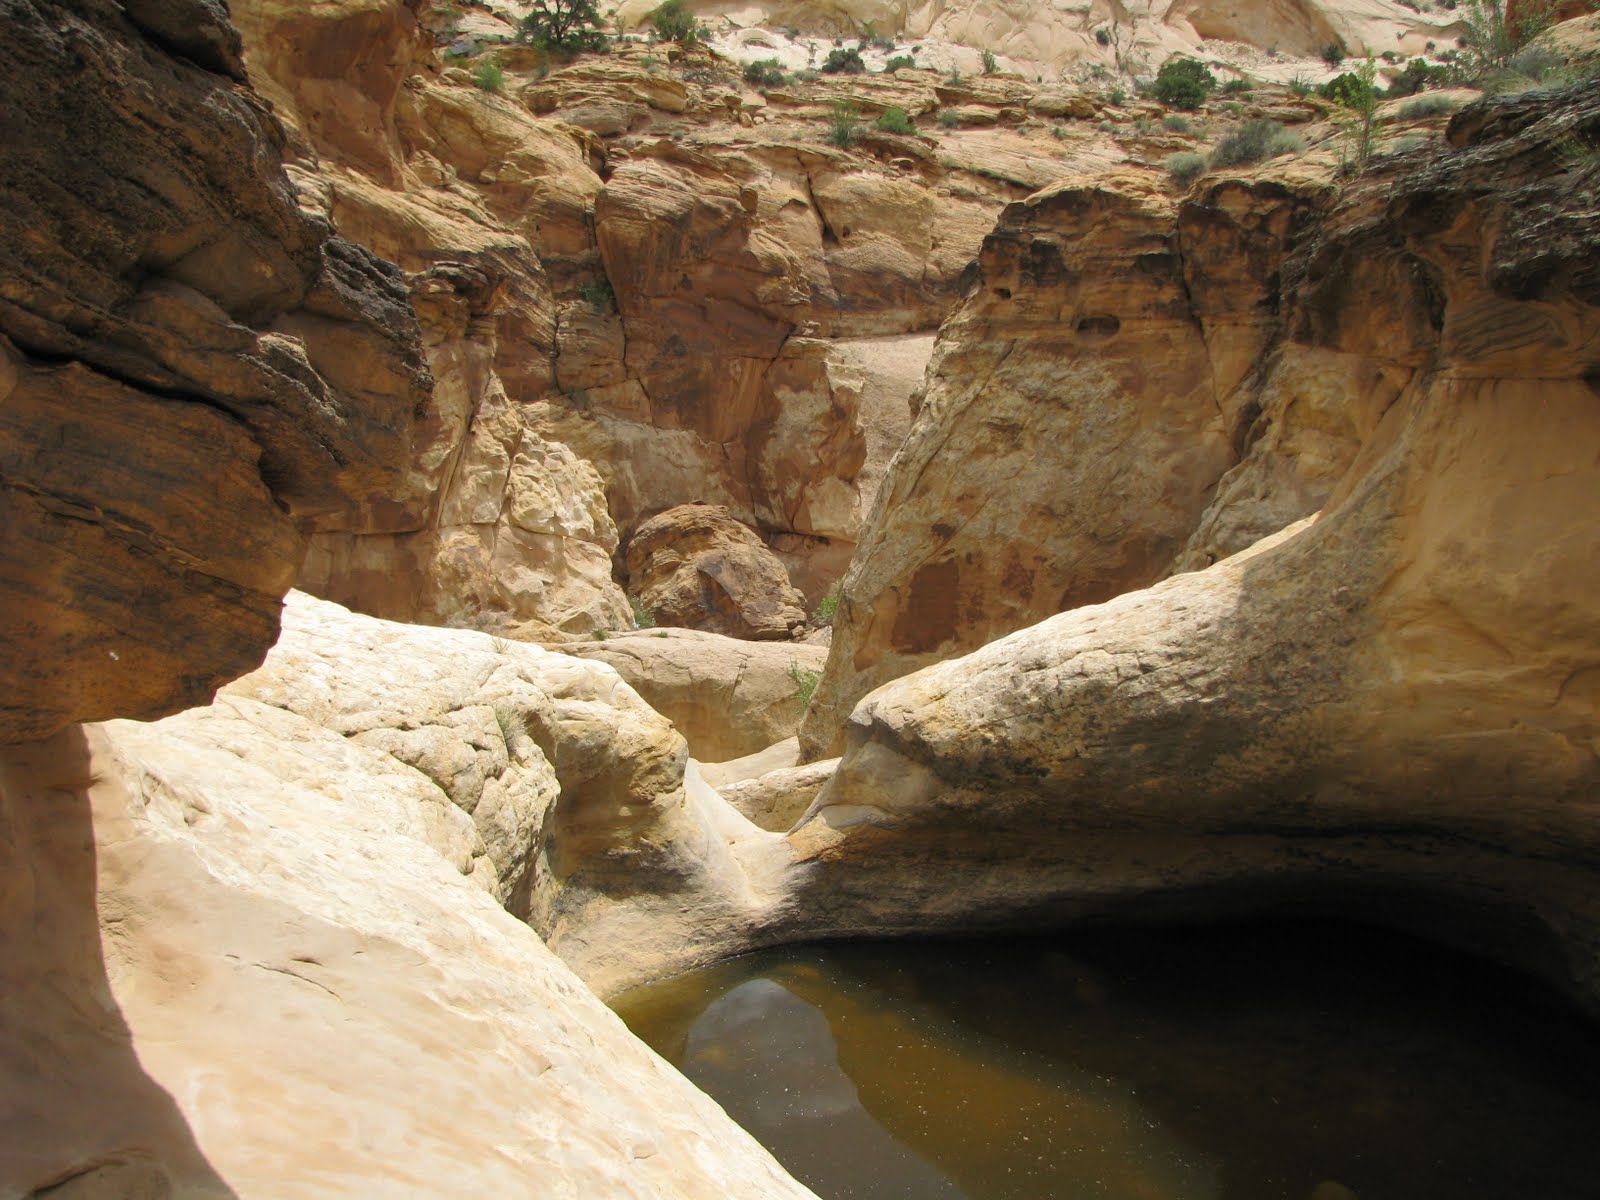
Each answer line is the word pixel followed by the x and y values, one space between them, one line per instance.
pixel 563 26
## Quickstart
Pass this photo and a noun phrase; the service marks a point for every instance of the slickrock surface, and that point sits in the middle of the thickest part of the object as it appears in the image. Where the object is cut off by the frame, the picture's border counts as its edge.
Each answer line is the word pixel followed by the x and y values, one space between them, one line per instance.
pixel 191 367
pixel 253 949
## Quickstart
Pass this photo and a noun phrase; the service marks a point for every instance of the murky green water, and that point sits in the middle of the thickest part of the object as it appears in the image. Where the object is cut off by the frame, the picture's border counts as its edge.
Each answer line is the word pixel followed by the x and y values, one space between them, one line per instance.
pixel 1264 1063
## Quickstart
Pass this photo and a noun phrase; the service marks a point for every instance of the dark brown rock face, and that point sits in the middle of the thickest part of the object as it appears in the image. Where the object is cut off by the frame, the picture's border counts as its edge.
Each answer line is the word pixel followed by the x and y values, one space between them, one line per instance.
pixel 190 366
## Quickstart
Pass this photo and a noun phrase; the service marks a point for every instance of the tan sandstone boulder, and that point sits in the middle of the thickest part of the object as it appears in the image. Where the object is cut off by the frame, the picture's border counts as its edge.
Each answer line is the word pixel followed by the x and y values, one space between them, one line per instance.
pixel 696 567
pixel 727 697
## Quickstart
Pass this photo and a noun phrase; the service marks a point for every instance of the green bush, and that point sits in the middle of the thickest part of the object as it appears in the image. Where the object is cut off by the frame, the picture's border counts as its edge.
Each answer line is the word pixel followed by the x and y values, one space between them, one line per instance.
pixel 897 62
pixel 1183 83
pixel 597 294
pixel 1236 87
pixel 949 118
pixel 673 22
pixel 489 76
pixel 643 618
pixel 766 73
pixel 894 120
pixel 991 64
pixel 844 62
pixel 1417 75
pixel 1253 142
pixel 805 685
pixel 1300 86
pixel 563 26
pixel 1185 167
pixel 1349 90
pixel 1333 54
pixel 842 128
pixel 828 606
pixel 1424 107
pixel 1173 123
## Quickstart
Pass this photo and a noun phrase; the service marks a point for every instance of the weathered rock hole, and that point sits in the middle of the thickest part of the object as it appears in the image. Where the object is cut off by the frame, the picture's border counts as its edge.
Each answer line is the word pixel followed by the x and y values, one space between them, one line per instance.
pixel 1098 328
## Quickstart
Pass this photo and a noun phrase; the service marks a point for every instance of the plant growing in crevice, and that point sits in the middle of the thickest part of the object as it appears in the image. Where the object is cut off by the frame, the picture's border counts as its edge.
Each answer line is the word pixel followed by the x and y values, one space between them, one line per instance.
pixel 894 120
pixel 597 294
pixel 843 124
pixel 1183 83
pixel 828 607
pixel 563 26
pixel 643 618
pixel 765 73
pixel 805 685
pixel 513 724
pixel 490 76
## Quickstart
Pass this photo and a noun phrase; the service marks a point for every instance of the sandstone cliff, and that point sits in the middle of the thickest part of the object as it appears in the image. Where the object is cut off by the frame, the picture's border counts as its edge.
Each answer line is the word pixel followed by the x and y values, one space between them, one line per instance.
pixel 192 368
pixel 1384 711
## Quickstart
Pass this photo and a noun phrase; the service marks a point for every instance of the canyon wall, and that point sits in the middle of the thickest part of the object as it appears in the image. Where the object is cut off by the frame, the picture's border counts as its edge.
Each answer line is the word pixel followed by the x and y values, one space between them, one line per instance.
pixel 624 288
pixel 1386 710
pixel 194 370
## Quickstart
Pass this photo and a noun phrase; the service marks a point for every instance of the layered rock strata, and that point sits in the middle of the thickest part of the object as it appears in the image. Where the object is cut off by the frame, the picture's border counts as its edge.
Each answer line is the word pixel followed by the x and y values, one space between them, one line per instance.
pixel 191 367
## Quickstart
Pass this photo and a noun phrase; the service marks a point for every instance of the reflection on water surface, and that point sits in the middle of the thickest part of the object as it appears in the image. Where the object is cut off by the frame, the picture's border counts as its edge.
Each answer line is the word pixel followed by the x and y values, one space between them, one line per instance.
pixel 1294 1062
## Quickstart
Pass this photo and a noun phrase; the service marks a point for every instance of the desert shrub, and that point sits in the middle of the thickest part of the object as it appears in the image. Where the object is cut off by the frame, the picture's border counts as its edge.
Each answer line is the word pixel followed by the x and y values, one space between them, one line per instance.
pixel 894 120
pixel 1253 142
pixel 1407 145
pixel 1185 167
pixel 805 685
pixel 1236 87
pixel 843 129
pixel 1349 90
pixel 673 22
pixel 490 76
pixel 827 607
pixel 897 62
pixel 1173 123
pixel 765 73
pixel 643 618
pixel 597 294
pixel 949 118
pixel 1300 86
pixel 1117 97
pixel 844 62
pixel 1333 54
pixel 991 64
pixel 1426 106
pixel 1183 83
pixel 1416 76
pixel 563 26
pixel 807 76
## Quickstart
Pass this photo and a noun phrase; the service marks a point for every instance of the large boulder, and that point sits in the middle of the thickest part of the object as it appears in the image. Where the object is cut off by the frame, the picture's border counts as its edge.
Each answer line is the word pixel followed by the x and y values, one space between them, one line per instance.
pixel 695 566
pixel 727 697
pixel 191 367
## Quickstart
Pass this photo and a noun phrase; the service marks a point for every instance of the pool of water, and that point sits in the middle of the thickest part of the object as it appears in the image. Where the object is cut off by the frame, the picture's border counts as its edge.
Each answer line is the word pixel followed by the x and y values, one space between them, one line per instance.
pixel 1294 1062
